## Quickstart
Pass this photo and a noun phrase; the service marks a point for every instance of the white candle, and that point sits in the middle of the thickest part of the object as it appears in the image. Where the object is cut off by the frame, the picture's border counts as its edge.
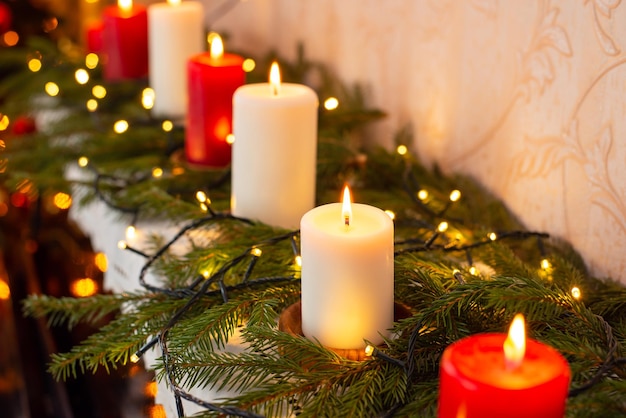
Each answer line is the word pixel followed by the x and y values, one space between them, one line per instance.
pixel 175 32
pixel 274 153
pixel 347 275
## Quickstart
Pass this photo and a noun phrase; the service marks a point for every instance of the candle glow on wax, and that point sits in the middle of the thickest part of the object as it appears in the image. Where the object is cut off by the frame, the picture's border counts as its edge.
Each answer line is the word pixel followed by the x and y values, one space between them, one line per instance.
pixel 275 78
pixel 174 2
pixel 515 344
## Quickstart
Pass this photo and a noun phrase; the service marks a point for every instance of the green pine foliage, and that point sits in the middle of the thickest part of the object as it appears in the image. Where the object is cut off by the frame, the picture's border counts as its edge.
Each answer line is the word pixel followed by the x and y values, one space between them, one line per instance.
pixel 220 289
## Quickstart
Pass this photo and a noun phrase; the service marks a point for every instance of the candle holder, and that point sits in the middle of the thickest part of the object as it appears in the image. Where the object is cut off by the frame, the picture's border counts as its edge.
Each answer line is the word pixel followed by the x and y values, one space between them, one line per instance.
pixel 290 321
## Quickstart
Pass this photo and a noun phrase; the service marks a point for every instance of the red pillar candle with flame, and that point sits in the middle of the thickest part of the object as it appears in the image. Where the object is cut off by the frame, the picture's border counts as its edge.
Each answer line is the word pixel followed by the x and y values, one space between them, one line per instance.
pixel 125 41
pixel 495 375
pixel 212 79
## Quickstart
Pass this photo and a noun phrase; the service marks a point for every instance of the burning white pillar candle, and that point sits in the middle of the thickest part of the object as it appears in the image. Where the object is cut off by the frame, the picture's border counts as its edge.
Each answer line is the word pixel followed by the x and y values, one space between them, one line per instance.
pixel 347 274
pixel 274 153
pixel 175 33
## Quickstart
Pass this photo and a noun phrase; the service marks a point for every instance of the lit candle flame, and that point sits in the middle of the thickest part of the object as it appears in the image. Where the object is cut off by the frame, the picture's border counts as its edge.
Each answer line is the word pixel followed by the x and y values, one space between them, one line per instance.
pixel 174 2
pixel 275 78
pixel 125 5
pixel 217 47
pixel 515 344
pixel 346 208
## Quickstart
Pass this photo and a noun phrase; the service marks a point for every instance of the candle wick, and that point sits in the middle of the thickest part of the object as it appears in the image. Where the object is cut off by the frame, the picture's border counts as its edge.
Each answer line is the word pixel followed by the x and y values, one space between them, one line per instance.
pixel 346 220
pixel 275 89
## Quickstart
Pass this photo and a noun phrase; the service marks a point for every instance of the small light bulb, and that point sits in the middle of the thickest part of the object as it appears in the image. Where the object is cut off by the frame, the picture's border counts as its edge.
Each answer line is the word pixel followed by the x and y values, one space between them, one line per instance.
pixel 52 89
pixel 131 232
pixel 83 161
pixel 422 195
pixel 157 172
pixel 230 139
pixel 4 122
pixel 91 60
pixel 167 126
pixel 120 126
pixel 248 65
pixel 62 200
pixel 201 196
pixel 256 252
pixel 369 350
pixel 298 260
pixel 331 103
pixel 92 105
pixel 34 65
pixel 545 264
pixel 492 236
pixel 402 149
pixel 473 271
pixel 443 227
pixel 576 293
pixel 455 195
pixel 82 76
pixel 205 273
pixel 134 358
pixel 147 98
pixel 390 214
pixel 99 92
pixel 204 207
pixel 122 245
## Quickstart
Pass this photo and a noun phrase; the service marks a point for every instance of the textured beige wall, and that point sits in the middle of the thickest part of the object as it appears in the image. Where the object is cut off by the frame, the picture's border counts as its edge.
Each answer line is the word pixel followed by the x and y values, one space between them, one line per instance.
pixel 527 96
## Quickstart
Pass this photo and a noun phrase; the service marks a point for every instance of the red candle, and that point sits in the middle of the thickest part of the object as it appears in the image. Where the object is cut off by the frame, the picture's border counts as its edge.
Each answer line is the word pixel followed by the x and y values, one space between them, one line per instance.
pixel 125 41
pixel 94 37
pixel 212 78
pixel 477 378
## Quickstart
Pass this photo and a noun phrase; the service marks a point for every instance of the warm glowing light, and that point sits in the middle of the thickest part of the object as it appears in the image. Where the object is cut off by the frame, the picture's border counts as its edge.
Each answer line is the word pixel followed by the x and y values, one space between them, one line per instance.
pixel 62 200
pixel 230 139
pixel 346 208
pixel 82 288
pixel 50 24
pixel 256 252
pixel 134 358
pixel 331 103
pixel 177 171
pixel 120 126
pixel 217 47
pixel 167 126
pixel 275 78
pixel 298 260
pixel 204 207
pixel 173 2
pixel 443 227
pixel 147 98
pixel 91 60
pixel 492 236
pixel 131 232
pixel 51 88
pixel 391 215
pixel 10 38
pixel 34 65
pixel 248 65
pixel 156 411
pixel 82 76
pixel 151 387
pixel 515 343
pixel 99 92
pixel 205 274
pixel 473 271
pixel 5 290
pixel 576 294
pixel 369 350
pixel 545 264
pixel 125 5
pixel 92 105
pixel 455 195
pixel 101 262
pixel 83 161
pixel 122 245
pixel 157 172
pixel 402 149
pixel 422 195
pixel 201 196
pixel 4 122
